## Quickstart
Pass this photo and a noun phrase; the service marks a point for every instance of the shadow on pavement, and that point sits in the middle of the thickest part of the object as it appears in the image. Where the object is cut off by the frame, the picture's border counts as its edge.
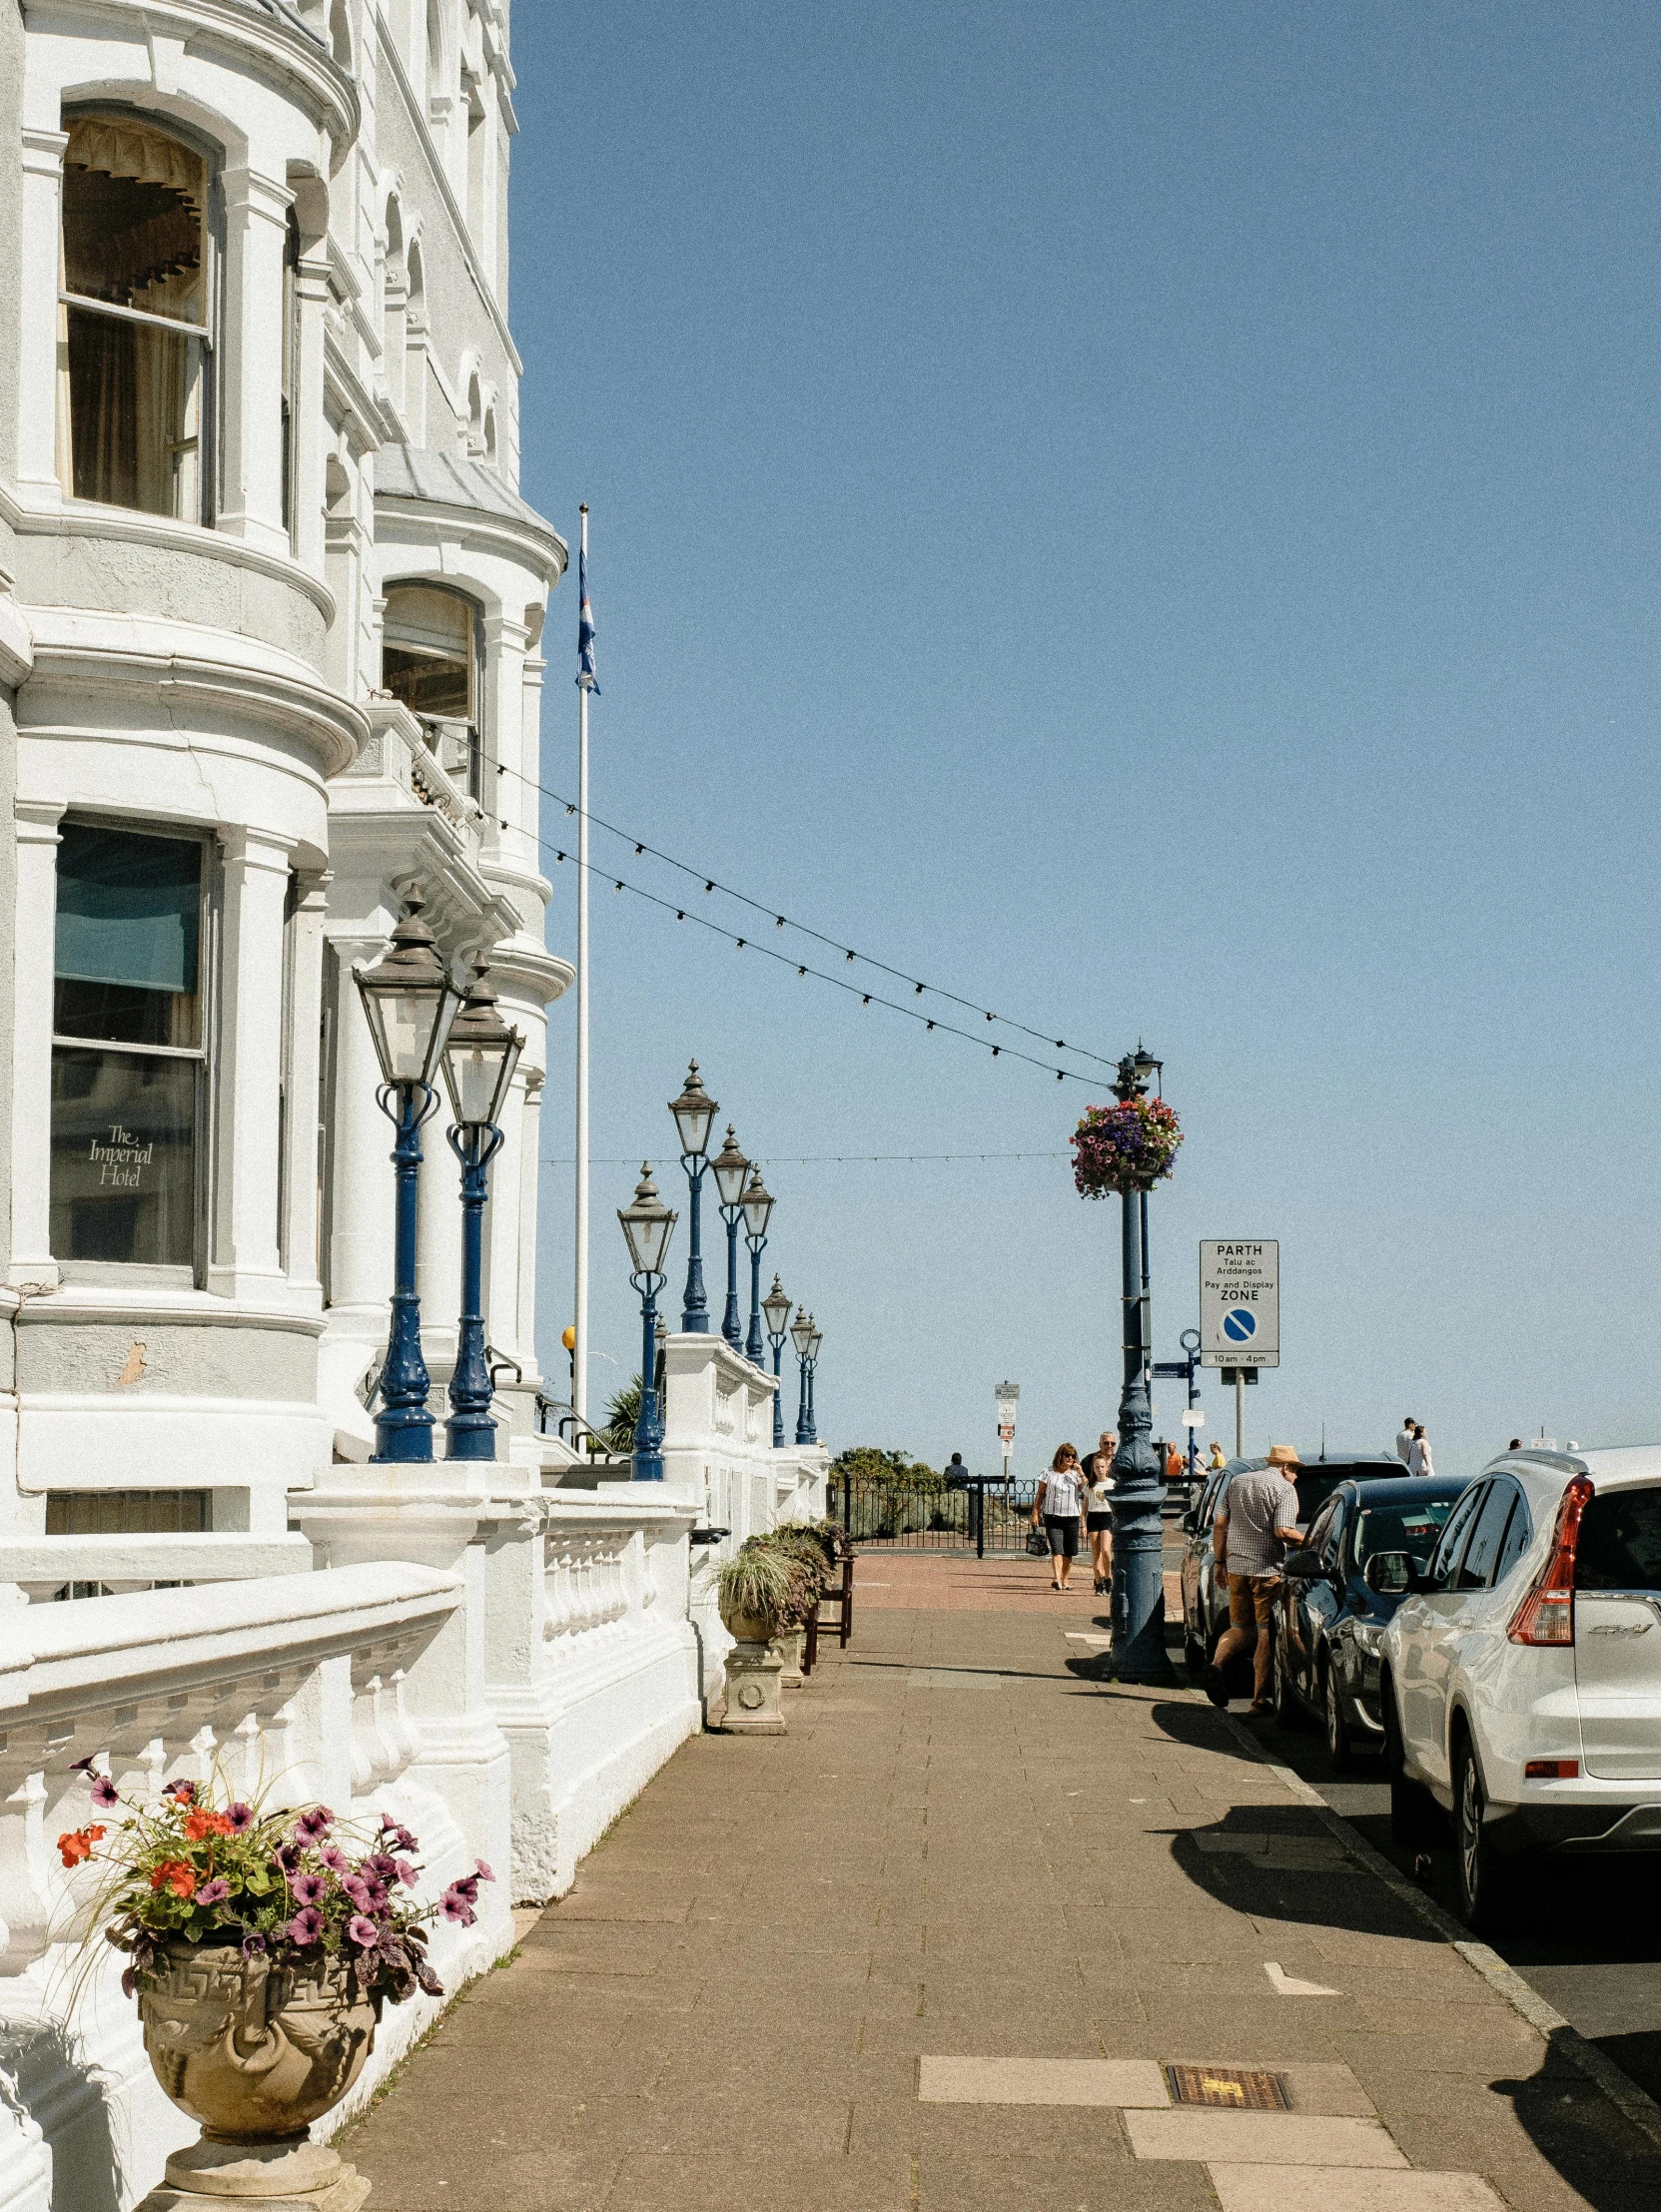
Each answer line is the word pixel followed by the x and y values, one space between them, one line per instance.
pixel 1607 2161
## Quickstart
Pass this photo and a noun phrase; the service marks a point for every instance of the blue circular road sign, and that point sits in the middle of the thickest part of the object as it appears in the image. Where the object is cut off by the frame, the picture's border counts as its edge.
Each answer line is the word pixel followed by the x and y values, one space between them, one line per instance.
pixel 1240 1324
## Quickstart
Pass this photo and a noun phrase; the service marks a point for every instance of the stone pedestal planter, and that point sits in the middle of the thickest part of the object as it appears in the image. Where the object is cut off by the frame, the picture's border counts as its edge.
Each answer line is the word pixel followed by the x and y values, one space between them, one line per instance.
pixel 790 1650
pixel 256 2057
pixel 754 1673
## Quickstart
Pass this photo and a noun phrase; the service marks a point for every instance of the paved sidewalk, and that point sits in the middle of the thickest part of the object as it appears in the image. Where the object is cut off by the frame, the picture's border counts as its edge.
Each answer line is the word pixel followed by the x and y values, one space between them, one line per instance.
pixel 932 1952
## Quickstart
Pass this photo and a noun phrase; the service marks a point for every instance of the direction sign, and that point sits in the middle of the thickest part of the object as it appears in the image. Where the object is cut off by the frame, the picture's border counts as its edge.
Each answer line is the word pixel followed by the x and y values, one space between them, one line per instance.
pixel 1240 1302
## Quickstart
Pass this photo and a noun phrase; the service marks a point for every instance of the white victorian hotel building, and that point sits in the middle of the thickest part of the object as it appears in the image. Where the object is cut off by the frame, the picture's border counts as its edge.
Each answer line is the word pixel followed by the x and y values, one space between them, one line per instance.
pixel 271 655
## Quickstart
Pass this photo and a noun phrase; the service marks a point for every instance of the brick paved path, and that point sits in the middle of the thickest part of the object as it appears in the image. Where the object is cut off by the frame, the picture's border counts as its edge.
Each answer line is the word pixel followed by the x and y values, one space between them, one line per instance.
pixel 762 1991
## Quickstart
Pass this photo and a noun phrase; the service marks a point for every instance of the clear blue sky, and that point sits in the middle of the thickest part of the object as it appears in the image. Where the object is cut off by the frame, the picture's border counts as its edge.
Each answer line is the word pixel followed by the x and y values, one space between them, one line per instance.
pixel 1147 516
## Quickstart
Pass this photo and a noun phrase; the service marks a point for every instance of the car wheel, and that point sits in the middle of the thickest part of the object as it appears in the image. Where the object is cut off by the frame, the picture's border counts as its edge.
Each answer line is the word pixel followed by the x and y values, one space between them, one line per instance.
pixel 1415 1817
pixel 1341 1745
pixel 1481 1876
pixel 1287 1712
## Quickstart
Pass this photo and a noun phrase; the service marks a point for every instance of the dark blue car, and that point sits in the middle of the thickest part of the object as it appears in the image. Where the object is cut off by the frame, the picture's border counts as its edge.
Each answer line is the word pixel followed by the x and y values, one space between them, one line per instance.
pixel 1326 1643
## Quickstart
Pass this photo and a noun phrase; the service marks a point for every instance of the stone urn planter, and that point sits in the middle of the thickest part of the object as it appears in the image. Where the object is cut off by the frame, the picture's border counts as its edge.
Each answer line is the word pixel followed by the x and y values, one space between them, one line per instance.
pixel 255 2054
pixel 754 1673
pixel 790 1640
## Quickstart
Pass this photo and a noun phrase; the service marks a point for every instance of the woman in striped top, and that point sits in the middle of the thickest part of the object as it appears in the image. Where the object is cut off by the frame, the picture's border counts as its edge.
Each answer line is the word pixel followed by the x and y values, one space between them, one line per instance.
pixel 1061 1504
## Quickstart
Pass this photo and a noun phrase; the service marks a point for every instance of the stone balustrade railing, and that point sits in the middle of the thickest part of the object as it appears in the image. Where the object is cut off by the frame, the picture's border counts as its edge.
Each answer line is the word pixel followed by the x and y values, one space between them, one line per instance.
pixel 297 1688
pixel 117 1566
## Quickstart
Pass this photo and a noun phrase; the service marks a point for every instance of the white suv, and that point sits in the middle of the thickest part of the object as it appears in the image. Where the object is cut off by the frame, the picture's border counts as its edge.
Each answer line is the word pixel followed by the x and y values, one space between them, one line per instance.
pixel 1522 1673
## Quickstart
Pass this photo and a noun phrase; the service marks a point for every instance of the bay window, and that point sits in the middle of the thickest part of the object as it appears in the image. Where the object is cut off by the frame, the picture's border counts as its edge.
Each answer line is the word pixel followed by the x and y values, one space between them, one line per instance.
pixel 431 654
pixel 133 335
pixel 129 1062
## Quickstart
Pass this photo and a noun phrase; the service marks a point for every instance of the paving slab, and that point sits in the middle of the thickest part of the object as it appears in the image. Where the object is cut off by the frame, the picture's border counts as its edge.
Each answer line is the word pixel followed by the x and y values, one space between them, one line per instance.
pixel 929 1951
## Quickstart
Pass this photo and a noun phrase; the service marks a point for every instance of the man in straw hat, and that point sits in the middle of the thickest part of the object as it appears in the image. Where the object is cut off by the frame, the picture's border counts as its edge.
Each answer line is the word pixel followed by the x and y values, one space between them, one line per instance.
pixel 1256 1521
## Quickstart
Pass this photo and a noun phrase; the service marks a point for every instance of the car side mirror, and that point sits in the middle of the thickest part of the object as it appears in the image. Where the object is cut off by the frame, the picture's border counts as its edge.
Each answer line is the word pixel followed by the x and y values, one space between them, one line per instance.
pixel 1392 1575
pixel 1190 1522
pixel 1302 1564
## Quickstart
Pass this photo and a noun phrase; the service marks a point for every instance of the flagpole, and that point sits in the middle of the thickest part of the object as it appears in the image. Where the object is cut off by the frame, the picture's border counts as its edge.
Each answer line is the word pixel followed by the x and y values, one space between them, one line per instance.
pixel 580 1355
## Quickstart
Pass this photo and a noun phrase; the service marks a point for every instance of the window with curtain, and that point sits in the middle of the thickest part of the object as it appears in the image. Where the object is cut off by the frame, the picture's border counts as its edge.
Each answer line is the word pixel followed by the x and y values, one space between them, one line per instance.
pixel 134 338
pixel 430 655
pixel 129 1064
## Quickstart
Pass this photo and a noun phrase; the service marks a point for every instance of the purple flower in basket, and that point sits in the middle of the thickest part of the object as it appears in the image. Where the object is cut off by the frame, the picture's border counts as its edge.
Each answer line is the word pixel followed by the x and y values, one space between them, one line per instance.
pixel 363 1932
pixel 401 1839
pixel 314 1824
pixel 82 1766
pixel 335 1861
pixel 455 1906
pixel 309 1889
pixel 240 1817
pixel 482 1870
pixel 215 1892
pixel 289 1855
pixel 105 1793
pixel 467 1886
pixel 307 1925
pixel 253 1945
pixel 184 1790
pixel 359 1891
pixel 407 1872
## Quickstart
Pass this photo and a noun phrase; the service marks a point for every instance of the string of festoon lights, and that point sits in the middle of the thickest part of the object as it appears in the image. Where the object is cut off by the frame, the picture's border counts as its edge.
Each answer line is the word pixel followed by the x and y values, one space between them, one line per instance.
pixel 920 989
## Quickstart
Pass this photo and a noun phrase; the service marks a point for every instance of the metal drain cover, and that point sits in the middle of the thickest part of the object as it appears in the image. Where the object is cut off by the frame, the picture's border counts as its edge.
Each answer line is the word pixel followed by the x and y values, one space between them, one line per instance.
pixel 1233 2088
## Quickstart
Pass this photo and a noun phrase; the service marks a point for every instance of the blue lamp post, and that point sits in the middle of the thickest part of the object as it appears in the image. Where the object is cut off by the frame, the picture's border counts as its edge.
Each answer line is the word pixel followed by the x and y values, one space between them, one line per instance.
pixel 813 1345
pixel 1137 1607
pixel 731 1170
pixel 479 1059
pixel 805 1337
pixel 694 1111
pixel 758 1212
pixel 776 1306
pixel 409 1003
pixel 647 1225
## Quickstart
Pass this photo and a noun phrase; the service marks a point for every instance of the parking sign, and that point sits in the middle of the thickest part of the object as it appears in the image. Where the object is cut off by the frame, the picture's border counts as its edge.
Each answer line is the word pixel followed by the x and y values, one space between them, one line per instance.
pixel 1240 1302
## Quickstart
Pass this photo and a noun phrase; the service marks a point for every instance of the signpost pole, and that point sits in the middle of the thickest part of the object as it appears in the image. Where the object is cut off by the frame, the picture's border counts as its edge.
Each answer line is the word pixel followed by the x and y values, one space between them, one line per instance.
pixel 1239 1414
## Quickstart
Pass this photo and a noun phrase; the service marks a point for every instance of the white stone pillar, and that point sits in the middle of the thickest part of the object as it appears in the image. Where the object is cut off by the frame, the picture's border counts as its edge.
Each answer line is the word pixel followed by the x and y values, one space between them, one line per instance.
pixel 250 353
pixel 246 1260
pixel 361 1142
pixel 311 444
pixel 524 1326
pixel 37 316
pixel 301 1135
pixel 33 965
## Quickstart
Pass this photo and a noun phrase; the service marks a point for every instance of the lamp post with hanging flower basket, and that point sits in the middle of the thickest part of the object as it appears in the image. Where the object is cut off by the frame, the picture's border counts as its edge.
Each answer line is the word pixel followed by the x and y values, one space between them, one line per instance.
pixel 1128 1148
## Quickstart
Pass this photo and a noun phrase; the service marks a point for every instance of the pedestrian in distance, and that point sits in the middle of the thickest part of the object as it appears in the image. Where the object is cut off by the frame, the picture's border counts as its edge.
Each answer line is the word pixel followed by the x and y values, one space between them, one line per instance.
pixel 1420 1461
pixel 1059 1502
pixel 1174 1464
pixel 1254 1523
pixel 1216 1464
pixel 1099 1509
pixel 1404 1440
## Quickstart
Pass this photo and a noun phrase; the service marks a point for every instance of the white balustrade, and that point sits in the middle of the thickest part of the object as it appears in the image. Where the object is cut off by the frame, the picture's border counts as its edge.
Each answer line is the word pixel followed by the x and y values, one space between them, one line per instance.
pixel 296 1688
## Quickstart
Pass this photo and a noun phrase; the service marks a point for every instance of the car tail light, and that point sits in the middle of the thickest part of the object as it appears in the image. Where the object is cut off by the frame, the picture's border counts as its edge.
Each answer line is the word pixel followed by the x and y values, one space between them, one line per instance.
pixel 1552 1769
pixel 1546 1614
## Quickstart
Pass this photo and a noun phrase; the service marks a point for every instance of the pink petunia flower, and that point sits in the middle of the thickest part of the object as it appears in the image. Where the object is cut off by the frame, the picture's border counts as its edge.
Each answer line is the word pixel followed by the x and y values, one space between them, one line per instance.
pixel 105 1793
pixel 455 1906
pixel 215 1892
pixel 336 1859
pixel 363 1932
pixel 307 1925
pixel 309 1889
pixel 240 1817
pixel 484 1871
pixel 314 1824
pixel 407 1872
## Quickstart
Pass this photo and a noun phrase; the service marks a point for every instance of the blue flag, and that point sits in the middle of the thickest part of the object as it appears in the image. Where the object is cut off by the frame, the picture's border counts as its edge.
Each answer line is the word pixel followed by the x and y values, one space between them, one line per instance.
pixel 585 629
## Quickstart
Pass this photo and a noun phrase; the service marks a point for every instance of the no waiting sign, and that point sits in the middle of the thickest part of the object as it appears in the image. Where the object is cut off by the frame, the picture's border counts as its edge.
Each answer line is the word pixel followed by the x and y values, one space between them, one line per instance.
pixel 1240 1302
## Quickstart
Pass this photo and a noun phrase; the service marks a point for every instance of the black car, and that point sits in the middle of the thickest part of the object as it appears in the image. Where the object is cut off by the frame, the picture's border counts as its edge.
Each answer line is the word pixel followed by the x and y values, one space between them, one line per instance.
pixel 1205 1588
pixel 1327 1641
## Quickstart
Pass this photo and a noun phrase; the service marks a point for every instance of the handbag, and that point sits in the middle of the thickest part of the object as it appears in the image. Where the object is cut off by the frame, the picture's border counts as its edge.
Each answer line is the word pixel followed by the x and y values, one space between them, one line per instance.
pixel 1037 1543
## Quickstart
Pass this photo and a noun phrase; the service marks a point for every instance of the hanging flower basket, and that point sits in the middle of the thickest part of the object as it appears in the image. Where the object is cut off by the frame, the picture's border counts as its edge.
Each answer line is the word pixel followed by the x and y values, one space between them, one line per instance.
pixel 1127 1146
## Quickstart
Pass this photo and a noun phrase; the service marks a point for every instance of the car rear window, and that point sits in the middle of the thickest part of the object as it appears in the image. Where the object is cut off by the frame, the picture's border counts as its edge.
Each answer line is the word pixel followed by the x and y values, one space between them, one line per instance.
pixel 1400 1527
pixel 1620 1542
pixel 1317 1484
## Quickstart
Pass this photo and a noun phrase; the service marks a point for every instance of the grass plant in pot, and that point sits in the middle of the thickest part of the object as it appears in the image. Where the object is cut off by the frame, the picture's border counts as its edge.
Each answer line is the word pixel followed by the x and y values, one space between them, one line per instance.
pixel 261 1946
pixel 755 1591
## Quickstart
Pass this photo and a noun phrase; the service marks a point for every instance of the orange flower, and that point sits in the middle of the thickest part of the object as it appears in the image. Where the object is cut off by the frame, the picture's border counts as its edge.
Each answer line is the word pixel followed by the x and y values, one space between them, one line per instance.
pixel 77 1844
pixel 202 1823
pixel 174 1875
